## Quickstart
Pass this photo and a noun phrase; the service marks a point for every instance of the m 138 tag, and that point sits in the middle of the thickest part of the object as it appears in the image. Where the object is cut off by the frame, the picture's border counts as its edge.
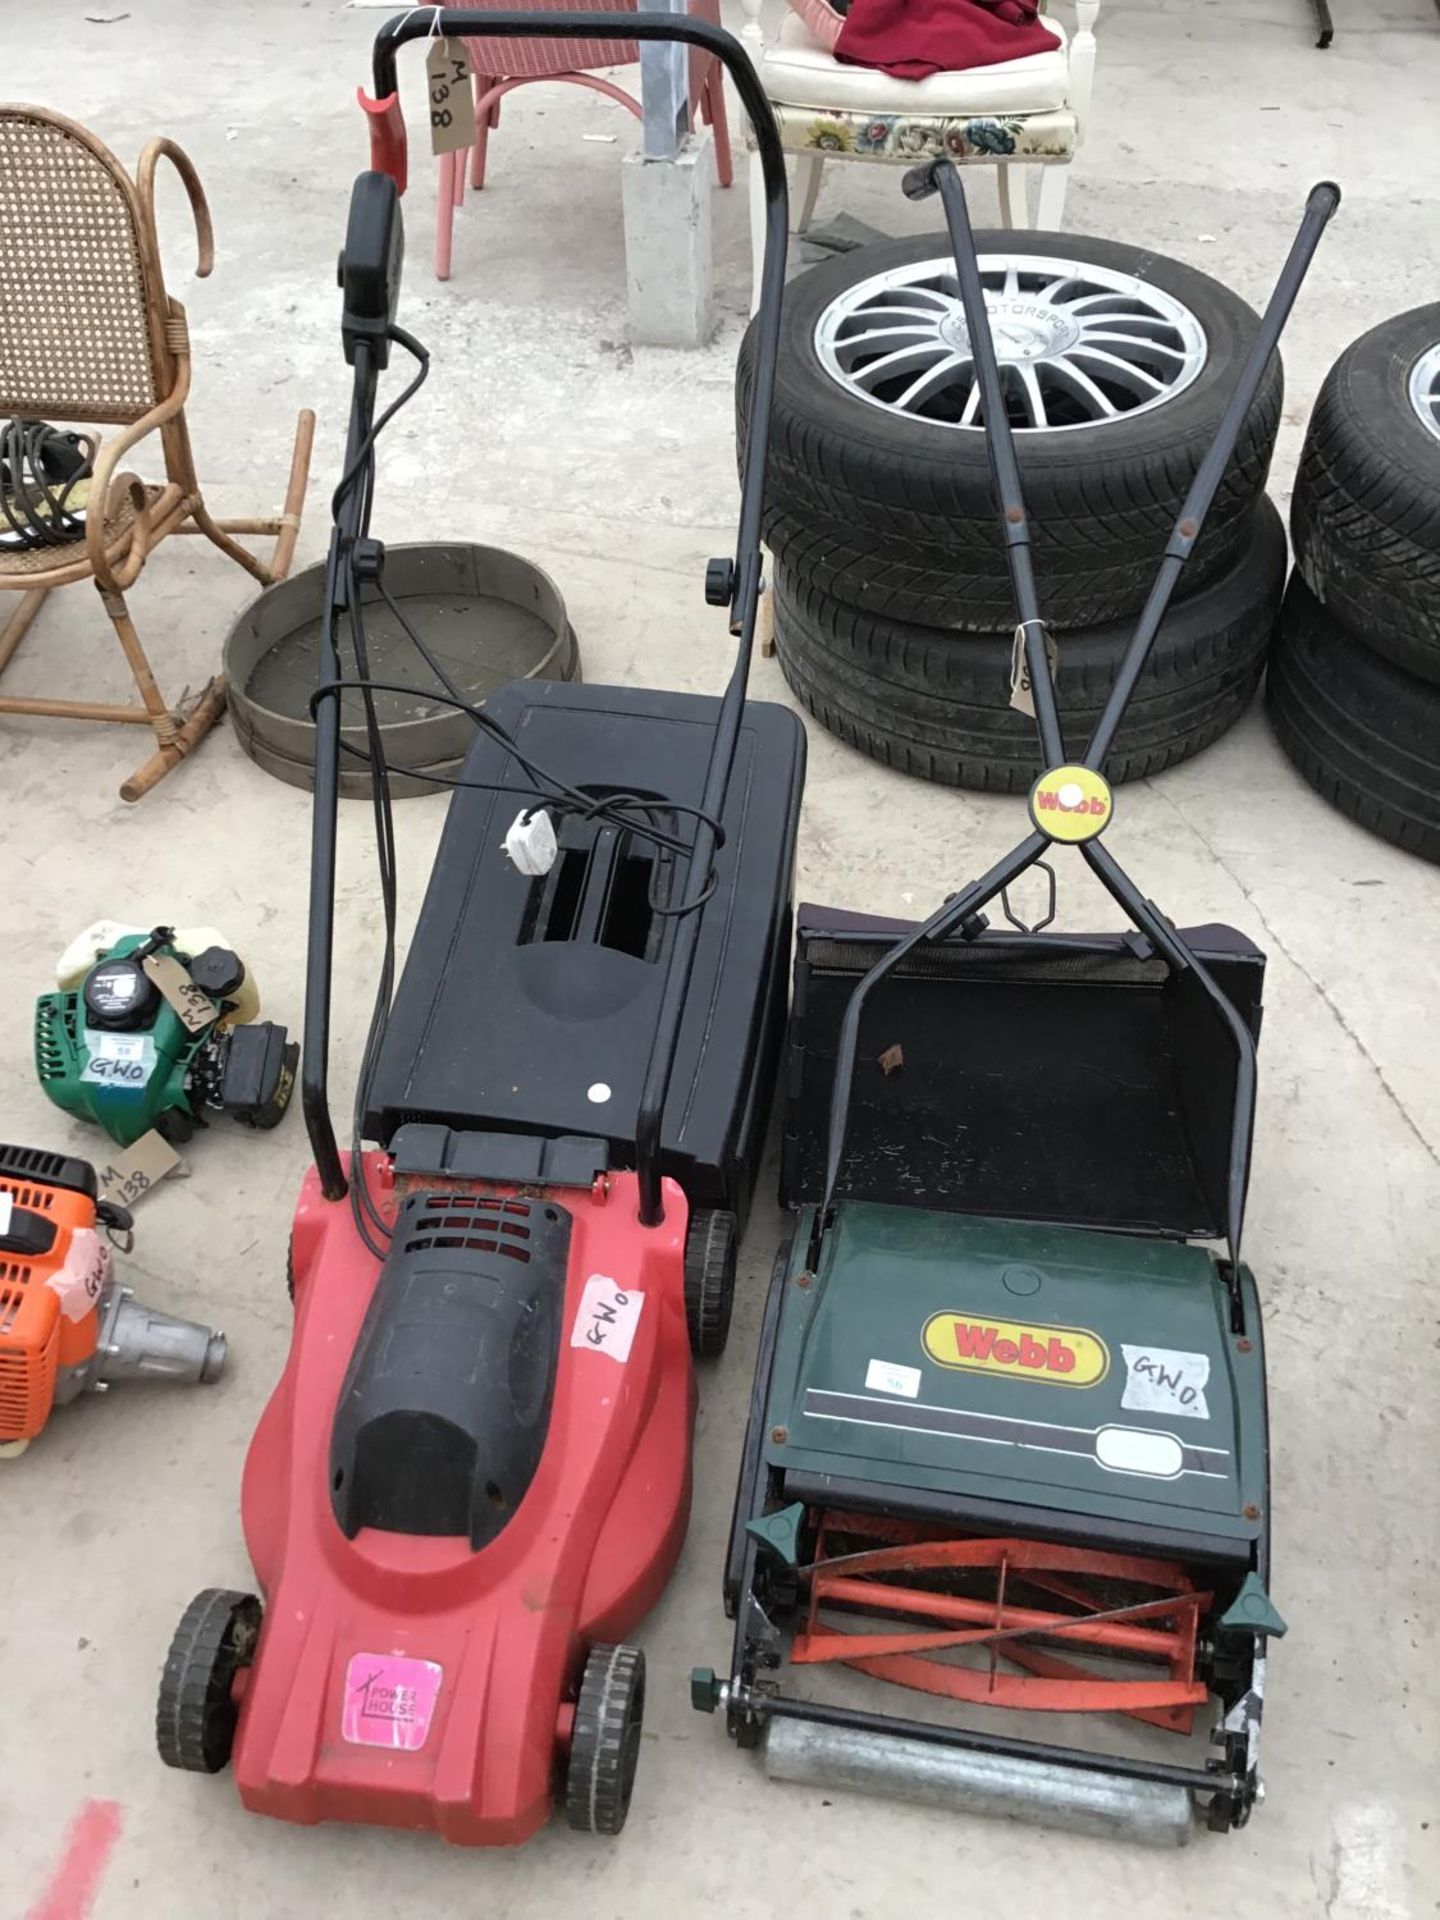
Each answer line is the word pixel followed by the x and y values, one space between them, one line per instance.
pixel 1022 697
pixel 194 1007
pixel 130 1175
pixel 452 102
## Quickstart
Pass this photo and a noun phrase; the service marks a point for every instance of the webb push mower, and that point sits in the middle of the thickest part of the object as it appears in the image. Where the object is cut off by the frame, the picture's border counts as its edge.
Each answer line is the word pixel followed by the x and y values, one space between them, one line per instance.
pixel 473 1478
pixel 1007 1441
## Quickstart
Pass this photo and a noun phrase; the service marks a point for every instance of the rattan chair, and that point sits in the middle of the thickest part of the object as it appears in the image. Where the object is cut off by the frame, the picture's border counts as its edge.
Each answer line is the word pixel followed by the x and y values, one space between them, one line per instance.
pixel 90 337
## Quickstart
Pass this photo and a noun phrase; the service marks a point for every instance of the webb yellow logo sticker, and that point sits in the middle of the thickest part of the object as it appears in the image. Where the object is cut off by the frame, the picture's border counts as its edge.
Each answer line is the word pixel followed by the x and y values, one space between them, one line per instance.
pixel 1053 1356
pixel 1071 803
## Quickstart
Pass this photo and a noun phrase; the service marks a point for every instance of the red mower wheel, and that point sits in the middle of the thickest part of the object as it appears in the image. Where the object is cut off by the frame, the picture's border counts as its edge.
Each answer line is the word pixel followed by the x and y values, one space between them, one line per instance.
pixel 605 1745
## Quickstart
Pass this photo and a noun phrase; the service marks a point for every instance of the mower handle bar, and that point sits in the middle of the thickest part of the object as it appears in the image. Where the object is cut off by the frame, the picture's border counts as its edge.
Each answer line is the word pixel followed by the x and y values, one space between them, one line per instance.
pixel 388 150
pixel 942 177
pixel 351 521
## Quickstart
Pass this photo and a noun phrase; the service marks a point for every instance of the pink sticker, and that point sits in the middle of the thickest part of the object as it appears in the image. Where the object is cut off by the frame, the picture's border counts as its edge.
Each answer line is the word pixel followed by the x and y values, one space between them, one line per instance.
pixel 389 1701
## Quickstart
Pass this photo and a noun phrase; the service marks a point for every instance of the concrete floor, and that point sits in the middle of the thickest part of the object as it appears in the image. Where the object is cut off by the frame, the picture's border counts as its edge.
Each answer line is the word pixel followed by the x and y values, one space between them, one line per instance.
pixel 540 428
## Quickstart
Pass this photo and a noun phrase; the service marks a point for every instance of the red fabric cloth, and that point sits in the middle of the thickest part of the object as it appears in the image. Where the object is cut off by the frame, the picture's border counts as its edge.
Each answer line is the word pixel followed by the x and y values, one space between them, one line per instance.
pixel 914 38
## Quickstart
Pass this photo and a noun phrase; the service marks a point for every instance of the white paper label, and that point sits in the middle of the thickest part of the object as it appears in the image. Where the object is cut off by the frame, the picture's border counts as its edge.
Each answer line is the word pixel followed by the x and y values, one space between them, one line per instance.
pixel 81 1281
pixel 121 1046
pixel 7 1203
pixel 882 1376
pixel 608 1317
pixel 119 1060
pixel 1163 1380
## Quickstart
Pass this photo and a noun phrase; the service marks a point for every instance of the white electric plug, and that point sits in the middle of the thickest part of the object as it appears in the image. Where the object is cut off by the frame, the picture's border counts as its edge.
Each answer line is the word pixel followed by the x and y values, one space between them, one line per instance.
pixel 531 842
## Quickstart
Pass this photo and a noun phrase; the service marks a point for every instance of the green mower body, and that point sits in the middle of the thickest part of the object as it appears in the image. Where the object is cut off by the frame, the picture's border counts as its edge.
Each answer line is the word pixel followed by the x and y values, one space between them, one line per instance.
pixel 1085 1382
pixel 113 1051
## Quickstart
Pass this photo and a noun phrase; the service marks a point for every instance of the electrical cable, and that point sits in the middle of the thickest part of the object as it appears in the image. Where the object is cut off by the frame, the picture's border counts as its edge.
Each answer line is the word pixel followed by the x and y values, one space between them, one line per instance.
pixel 40 468
pixel 631 813
pixel 361 475
pixel 589 805
pixel 557 793
pixel 365 454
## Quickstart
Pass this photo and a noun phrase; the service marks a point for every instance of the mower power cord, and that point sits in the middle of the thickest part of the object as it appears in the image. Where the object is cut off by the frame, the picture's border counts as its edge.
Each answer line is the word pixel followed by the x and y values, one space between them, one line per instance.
pixel 632 813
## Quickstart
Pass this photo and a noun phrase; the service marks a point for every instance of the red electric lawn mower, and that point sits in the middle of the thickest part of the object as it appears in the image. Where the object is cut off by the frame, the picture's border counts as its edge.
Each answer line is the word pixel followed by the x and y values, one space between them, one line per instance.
pixel 473 1478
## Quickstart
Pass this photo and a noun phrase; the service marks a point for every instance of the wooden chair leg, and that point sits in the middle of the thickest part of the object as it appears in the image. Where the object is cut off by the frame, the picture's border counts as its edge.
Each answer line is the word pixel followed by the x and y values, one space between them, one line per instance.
pixel 161 718
pixel 757 227
pixel 198 722
pixel 19 622
pixel 1005 187
pixel 294 495
pixel 483 123
pixel 808 168
pixel 284 530
pixel 214 531
pixel 1050 213
pixel 712 103
pixel 445 212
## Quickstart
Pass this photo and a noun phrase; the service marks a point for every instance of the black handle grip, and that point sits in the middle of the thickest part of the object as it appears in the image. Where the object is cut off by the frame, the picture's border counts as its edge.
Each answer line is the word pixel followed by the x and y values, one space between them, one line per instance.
pixel 918 183
pixel 1324 197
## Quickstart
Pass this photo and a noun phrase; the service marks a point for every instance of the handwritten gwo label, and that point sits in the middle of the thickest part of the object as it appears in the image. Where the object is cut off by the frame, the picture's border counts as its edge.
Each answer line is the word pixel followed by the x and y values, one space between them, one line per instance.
pixel 608 1317
pixel 82 1279
pixel 119 1060
pixel 1163 1380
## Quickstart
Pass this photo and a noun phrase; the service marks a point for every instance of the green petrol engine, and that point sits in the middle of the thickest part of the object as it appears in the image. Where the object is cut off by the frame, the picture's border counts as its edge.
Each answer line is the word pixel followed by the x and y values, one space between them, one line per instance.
pixel 115 1049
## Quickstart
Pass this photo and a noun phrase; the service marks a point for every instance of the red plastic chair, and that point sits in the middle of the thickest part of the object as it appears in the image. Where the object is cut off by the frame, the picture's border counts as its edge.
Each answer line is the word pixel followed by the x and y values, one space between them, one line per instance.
pixel 500 65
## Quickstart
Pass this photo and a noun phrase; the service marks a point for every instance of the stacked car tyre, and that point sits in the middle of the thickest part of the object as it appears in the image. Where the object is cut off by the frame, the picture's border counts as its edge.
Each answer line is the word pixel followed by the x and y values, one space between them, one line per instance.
pixel 893 613
pixel 1354 686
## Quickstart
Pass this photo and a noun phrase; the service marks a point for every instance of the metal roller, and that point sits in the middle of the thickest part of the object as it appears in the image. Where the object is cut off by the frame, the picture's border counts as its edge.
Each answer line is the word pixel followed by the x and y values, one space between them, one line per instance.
pixel 960 1781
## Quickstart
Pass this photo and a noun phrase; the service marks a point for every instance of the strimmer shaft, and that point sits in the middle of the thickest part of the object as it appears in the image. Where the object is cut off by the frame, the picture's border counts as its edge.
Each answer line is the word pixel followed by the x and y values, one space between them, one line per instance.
pixel 1104 1804
pixel 141 1343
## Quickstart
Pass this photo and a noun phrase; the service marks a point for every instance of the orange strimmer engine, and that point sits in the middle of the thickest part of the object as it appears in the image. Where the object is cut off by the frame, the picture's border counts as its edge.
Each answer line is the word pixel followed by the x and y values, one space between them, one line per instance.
pixel 67 1326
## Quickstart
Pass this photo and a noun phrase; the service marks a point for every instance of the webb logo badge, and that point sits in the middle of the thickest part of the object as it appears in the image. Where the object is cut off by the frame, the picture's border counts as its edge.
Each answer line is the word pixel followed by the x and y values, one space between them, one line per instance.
pixel 1071 803
pixel 1052 1356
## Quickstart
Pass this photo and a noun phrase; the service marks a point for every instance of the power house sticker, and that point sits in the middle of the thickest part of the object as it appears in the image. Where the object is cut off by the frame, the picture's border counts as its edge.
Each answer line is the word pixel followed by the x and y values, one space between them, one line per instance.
pixel 1071 803
pixel 1025 1350
pixel 389 1701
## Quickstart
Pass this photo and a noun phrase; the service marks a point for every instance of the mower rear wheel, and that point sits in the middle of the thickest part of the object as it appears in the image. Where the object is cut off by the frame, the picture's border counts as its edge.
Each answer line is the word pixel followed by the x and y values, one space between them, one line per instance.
pixel 176 1127
pixel 710 1248
pixel 195 1714
pixel 605 1746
